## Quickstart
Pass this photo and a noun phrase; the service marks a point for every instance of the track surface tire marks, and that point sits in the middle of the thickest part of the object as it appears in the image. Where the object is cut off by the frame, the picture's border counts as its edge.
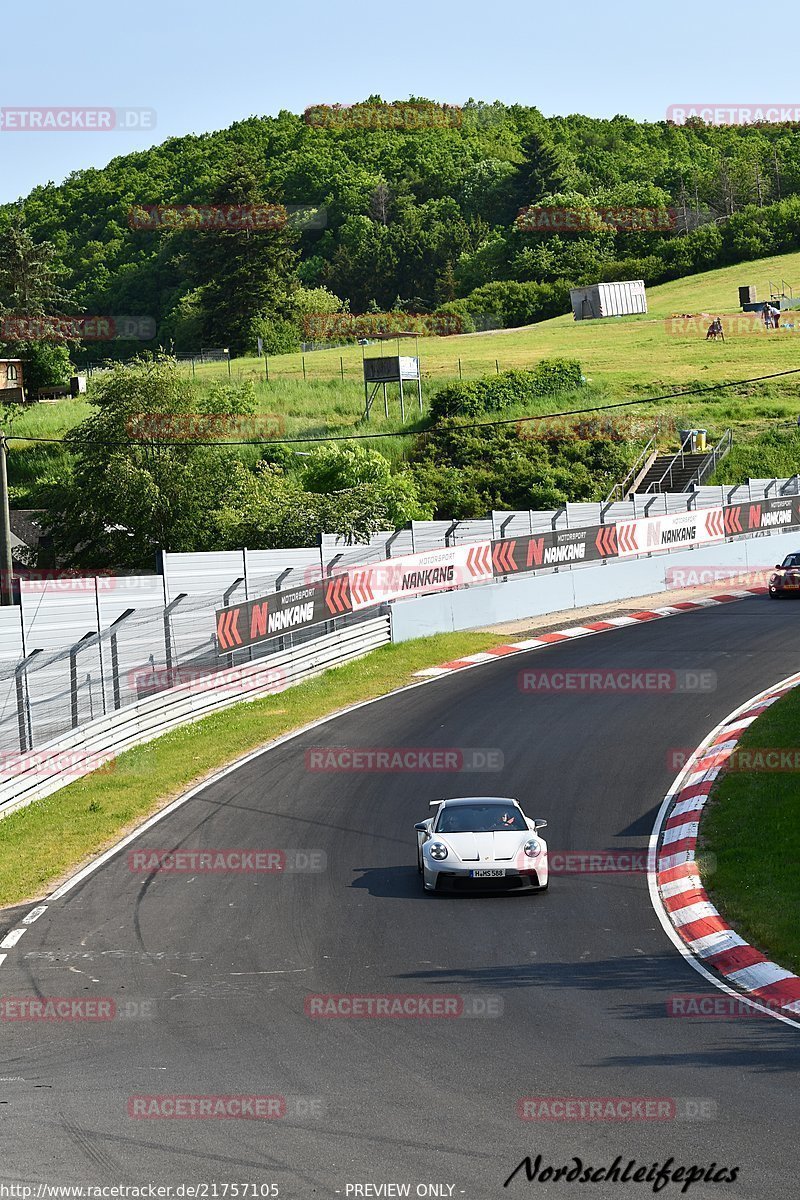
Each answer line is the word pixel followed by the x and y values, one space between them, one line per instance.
pixel 583 972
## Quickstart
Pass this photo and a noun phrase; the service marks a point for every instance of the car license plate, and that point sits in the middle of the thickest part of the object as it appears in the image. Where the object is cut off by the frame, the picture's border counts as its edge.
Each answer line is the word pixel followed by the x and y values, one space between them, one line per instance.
pixel 794 586
pixel 495 873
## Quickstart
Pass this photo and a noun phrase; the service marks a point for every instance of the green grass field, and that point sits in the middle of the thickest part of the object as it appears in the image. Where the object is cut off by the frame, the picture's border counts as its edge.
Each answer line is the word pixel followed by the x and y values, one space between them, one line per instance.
pixel 623 358
pixel 626 353
pixel 752 825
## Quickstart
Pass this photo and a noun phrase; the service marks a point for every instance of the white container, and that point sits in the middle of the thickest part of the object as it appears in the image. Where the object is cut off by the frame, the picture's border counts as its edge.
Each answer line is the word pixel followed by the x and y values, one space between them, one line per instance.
pixel 608 299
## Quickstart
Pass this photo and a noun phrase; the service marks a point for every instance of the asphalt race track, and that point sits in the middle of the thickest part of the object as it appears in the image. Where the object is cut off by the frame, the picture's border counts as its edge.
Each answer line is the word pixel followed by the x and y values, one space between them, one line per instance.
pixel 583 973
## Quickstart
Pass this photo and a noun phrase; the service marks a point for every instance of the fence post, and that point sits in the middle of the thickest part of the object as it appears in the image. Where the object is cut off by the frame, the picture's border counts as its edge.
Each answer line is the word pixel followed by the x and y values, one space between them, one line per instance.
pixel 24 702
pixel 73 677
pixel 168 632
pixel 115 656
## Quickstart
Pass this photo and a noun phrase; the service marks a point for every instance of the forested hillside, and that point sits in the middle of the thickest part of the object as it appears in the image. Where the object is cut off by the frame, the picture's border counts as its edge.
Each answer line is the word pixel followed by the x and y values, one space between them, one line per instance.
pixel 415 219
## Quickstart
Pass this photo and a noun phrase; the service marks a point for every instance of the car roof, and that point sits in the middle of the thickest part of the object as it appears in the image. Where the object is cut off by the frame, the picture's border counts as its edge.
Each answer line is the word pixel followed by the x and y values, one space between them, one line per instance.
pixel 480 800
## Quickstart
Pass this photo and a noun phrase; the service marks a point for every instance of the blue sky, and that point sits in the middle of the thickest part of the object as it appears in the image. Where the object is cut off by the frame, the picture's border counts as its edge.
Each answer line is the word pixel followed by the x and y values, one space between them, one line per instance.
pixel 203 65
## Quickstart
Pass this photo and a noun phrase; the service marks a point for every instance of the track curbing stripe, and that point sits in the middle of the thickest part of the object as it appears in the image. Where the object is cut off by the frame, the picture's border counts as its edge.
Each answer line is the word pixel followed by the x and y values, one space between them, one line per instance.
pixel 687 915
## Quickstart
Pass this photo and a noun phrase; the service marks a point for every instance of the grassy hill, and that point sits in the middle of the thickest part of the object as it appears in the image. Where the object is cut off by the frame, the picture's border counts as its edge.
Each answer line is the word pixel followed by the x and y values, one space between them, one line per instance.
pixel 628 353
pixel 623 358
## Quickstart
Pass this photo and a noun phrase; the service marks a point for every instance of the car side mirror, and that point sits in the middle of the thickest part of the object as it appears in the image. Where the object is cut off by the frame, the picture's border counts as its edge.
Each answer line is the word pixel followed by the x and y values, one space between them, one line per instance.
pixel 539 824
pixel 421 827
pixel 777 566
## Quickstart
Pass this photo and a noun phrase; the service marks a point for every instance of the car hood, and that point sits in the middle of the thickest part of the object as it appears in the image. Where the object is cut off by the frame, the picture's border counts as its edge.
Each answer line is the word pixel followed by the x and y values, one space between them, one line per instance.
pixel 485 847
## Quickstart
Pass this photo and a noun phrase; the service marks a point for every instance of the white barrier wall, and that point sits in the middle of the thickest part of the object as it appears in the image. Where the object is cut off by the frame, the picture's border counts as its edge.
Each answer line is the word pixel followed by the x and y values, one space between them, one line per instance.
pixel 34 774
pixel 532 596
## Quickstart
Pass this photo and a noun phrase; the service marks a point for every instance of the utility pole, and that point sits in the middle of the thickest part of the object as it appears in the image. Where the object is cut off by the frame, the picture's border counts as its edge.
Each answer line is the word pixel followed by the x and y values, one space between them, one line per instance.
pixel 6 569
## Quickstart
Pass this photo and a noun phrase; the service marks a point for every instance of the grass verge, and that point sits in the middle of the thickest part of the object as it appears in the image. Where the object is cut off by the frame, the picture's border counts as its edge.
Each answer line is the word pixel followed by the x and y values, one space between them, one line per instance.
pixel 752 824
pixel 44 842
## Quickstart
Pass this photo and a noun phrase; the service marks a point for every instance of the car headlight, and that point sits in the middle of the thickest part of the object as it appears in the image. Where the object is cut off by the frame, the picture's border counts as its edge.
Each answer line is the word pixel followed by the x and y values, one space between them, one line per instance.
pixel 532 848
pixel 438 851
pixel 774 578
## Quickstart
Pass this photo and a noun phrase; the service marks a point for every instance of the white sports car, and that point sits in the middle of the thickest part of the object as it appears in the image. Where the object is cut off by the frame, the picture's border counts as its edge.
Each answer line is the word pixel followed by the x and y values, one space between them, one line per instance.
pixel 481 843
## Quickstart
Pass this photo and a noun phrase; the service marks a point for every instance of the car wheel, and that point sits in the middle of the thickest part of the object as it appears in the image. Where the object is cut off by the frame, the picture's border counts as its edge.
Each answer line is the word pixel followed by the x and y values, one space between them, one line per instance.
pixel 419 861
pixel 774 595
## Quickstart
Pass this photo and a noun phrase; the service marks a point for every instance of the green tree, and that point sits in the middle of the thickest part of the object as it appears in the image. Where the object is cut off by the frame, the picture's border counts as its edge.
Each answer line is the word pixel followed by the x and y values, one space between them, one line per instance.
pixel 339 470
pixel 245 274
pixel 542 171
pixel 30 273
pixel 133 486
pixel 267 509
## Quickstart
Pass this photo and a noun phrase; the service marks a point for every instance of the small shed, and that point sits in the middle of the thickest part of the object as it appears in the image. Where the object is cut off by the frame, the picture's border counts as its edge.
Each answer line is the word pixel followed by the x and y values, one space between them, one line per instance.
pixel 11 379
pixel 608 299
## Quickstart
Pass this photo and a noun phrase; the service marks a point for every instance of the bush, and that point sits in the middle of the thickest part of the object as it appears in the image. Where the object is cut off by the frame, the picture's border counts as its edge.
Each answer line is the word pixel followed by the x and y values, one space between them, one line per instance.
pixel 455 318
pixel 465 472
pixel 495 392
pixel 278 335
pixel 45 365
pixel 511 303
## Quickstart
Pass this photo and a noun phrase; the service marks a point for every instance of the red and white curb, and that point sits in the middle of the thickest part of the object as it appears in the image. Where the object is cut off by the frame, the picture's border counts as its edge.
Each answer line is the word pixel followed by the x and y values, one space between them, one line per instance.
pixel 579 631
pixel 692 922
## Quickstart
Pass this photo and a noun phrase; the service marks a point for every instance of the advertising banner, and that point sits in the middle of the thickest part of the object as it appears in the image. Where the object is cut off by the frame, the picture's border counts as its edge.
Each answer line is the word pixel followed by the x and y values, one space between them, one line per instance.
pixel 414 574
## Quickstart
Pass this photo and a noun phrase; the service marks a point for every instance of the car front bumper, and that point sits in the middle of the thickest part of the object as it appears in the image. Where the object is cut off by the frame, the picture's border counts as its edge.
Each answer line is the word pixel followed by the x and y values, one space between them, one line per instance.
pixel 460 879
pixel 782 587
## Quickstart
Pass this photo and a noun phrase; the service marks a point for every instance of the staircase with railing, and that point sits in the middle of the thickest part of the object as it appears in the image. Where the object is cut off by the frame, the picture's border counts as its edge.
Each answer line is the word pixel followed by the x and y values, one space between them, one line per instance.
pixel 684 470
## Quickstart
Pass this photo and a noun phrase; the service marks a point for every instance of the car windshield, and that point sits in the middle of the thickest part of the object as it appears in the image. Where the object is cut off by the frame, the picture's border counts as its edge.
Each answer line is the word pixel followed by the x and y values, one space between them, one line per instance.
pixel 480 818
pixel 791 560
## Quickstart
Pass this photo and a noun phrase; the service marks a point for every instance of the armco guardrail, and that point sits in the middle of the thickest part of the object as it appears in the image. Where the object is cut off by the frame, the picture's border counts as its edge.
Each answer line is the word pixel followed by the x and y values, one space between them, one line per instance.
pixel 38 773
pixel 360 588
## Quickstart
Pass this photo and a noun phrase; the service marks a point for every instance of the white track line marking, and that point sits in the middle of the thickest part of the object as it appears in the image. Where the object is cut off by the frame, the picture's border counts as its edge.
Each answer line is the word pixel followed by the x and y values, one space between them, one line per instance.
pixel 34 914
pixel 11 938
